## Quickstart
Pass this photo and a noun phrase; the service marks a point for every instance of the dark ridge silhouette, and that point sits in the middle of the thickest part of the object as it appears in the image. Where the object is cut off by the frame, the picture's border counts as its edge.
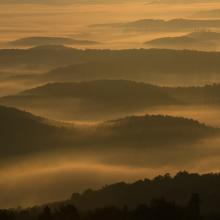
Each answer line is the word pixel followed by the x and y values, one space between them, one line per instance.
pixel 184 196
pixel 42 40
pixel 100 91
pixel 145 130
pixel 156 25
pixel 130 64
pixel 201 40
pixel 201 95
pixel 91 99
pixel 205 35
pixel 96 100
pixel 23 133
pixel 178 188
pixel 160 66
pixel 157 209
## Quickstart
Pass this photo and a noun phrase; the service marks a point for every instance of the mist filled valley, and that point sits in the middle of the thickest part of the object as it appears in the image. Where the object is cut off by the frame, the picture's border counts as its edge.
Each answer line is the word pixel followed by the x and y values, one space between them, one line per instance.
pixel 95 93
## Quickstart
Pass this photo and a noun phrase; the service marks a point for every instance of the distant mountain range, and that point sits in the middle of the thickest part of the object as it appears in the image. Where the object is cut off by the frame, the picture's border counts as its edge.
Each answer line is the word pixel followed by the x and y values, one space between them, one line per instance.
pixel 154 66
pixel 202 40
pixel 134 64
pixel 156 25
pixel 47 64
pixel 40 40
pixel 96 100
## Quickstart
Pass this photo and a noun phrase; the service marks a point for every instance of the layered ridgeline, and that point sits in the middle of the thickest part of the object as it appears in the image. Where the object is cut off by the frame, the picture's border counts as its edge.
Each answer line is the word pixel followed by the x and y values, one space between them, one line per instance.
pixel 41 40
pixel 167 67
pixel 163 197
pixel 202 40
pixel 90 100
pixel 139 64
pixel 23 69
pixel 104 99
pixel 24 134
pixel 178 188
pixel 157 25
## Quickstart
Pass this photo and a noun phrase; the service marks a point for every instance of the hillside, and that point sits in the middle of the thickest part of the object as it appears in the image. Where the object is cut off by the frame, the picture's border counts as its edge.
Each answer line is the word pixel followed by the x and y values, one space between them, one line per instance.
pixel 41 40
pixel 145 59
pixel 203 40
pixel 178 188
pixel 43 64
pixel 96 100
pixel 23 133
pixel 153 131
pixel 155 66
pixel 156 25
pixel 201 95
pixel 90 100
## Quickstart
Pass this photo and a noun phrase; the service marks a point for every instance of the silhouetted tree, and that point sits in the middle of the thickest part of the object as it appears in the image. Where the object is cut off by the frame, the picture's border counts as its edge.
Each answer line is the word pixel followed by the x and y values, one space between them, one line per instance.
pixel 46 214
pixel 67 212
pixel 194 207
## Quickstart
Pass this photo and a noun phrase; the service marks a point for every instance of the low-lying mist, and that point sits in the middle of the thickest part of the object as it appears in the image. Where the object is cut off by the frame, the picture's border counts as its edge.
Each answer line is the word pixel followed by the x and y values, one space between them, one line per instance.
pixel 52 177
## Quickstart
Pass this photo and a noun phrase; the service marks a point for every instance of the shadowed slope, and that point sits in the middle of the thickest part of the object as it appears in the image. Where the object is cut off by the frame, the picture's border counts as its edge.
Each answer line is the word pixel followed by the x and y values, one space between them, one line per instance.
pixel 107 99
pixel 203 40
pixel 38 41
pixel 95 99
pixel 24 133
pixel 178 188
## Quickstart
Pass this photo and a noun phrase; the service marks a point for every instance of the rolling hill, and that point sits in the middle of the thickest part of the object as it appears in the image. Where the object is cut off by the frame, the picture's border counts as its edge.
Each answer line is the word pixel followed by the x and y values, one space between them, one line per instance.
pixel 24 134
pixel 41 40
pixel 154 131
pixel 152 65
pixel 96 100
pixel 90 100
pixel 178 188
pixel 156 25
pixel 203 40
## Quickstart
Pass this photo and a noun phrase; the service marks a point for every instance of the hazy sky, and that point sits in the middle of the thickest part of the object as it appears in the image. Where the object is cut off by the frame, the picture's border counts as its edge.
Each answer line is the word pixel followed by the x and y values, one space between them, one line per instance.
pixel 103 1
pixel 21 20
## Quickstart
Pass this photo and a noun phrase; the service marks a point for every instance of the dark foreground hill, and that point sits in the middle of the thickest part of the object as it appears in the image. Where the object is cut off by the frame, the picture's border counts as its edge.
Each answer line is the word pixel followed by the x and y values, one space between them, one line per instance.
pixel 178 188
pixel 184 196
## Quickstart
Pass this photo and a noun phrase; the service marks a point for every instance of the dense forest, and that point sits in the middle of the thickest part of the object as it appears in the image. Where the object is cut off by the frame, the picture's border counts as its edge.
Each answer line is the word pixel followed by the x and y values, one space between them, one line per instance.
pixel 184 196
